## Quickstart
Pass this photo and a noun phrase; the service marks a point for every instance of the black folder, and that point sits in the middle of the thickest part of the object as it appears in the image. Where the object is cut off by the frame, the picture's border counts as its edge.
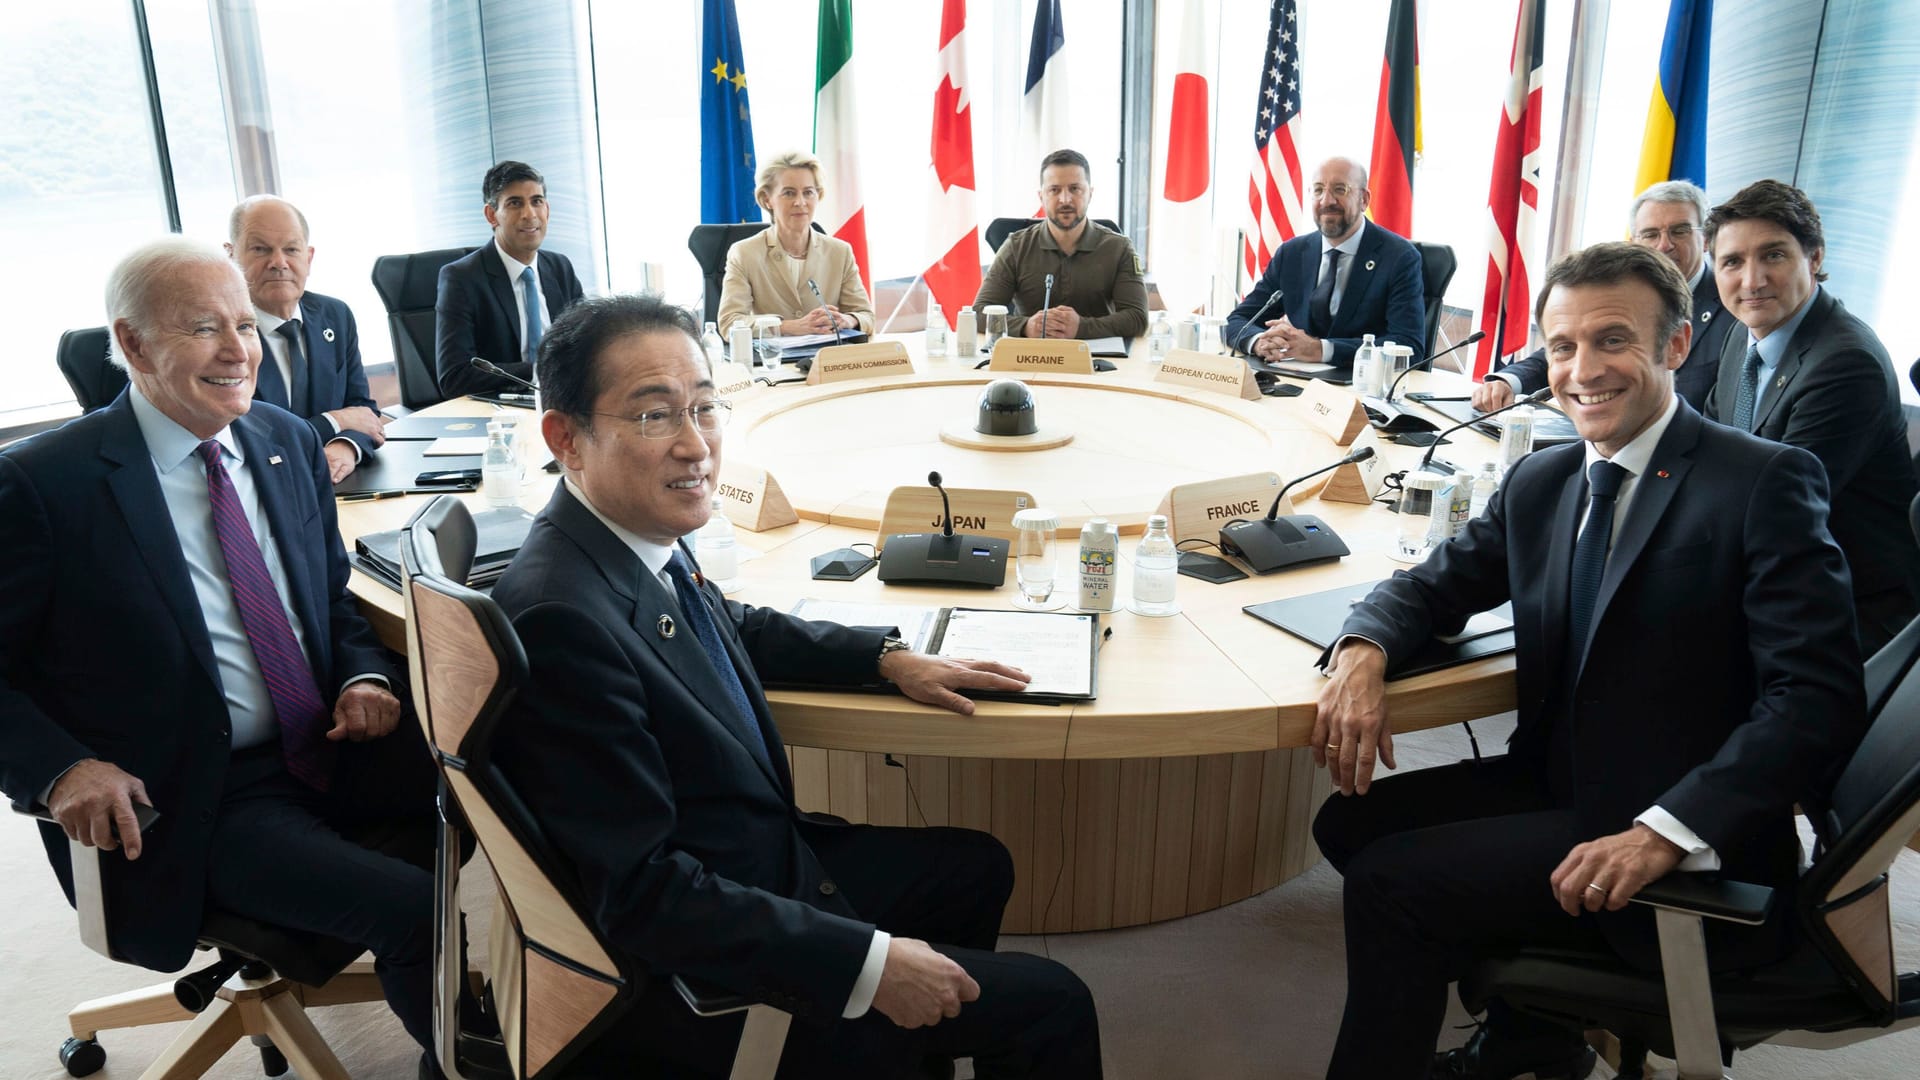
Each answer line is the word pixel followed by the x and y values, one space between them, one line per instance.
pixel 499 532
pixel 416 426
pixel 1317 618
pixel 397 465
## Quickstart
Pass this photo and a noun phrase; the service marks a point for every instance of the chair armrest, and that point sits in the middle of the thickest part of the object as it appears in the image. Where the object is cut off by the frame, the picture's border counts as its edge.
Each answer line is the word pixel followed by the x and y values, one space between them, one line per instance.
pixel 706 999
pixel 1709 897
pixel 89 901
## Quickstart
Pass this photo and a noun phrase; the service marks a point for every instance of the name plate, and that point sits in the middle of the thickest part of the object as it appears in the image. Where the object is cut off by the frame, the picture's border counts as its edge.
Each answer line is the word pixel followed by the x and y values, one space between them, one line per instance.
pixel 871 360
pixel 1051 356
pixel 733 381
pixel 1332 410
pixel 1360 481
pixel 981 511
pixel 1207 371
pixel 1196 511
pixel 751 498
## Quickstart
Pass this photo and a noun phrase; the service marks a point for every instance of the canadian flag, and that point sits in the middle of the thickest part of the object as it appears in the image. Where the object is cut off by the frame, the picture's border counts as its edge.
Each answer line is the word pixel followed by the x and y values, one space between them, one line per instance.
pixel 953 231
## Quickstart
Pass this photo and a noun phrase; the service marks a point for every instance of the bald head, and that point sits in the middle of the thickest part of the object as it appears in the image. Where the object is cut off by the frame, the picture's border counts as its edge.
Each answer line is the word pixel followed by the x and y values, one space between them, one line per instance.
pixel 1339 196
pixel 267 237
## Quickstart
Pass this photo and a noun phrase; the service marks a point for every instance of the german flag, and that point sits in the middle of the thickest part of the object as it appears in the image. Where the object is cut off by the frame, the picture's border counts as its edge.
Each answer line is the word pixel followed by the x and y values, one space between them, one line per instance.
pixel 1675 144
pixel 1396 123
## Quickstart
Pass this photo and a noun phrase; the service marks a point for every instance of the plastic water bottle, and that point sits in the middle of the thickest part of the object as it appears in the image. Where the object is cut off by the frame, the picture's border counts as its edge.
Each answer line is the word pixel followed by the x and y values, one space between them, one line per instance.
pixel 499 469
pixel 710 341
pixel 936 330
pixel 1366 365
pixel 1484 486
pixel 1156 569
pixel 964 332
pixel 713 546
pixel 1159 338
pixel 740 344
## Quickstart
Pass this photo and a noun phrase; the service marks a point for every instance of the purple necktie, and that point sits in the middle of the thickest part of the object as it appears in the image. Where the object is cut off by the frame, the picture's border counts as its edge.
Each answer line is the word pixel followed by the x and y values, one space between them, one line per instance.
pixel 296 700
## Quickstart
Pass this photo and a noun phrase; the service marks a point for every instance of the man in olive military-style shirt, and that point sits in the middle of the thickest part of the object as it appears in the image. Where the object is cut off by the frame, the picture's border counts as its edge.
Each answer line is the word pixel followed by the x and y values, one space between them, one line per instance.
pixel 1097 290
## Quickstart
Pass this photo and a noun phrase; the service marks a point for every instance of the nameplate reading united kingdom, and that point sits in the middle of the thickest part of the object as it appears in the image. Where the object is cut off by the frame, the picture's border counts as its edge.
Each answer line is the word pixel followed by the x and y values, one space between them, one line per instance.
pixel 1332 410
pixel 1207 371
pixel 733 381
pixel 1048 356
pixel 872 360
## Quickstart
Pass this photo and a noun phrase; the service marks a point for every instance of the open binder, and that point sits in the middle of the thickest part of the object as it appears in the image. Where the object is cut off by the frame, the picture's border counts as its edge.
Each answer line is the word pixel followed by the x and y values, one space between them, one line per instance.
pixel 1061 650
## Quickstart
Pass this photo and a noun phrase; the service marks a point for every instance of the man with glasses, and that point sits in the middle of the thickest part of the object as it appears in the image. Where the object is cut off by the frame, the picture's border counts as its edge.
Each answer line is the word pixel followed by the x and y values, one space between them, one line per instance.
pixel 644 745
pixel 1670 218
pixel 1349 279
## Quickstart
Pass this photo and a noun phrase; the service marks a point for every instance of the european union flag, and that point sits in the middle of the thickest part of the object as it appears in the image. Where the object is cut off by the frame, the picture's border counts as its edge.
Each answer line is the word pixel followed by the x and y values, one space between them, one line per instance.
pixel 726 125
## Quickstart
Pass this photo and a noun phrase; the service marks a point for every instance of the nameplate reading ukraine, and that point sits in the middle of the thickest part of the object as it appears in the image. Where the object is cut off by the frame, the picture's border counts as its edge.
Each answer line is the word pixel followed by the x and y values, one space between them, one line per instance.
pixel 1332 410
pixel 1207 371
pixel 872 360
pixel 1044 356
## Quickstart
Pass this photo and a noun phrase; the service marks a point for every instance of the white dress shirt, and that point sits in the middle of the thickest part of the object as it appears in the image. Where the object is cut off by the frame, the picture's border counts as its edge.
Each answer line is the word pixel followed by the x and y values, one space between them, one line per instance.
pixel 273 347
pixel 1347 248
pixel 514 267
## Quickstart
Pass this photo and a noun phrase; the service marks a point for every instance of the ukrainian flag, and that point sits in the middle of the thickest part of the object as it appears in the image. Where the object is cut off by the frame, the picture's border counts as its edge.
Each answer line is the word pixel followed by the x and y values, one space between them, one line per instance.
pixel 1675 144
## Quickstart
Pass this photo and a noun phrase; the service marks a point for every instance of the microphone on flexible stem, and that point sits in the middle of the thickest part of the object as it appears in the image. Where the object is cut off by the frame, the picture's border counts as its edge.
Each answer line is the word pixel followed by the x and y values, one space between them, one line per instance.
pixel 1276 542
pixel 1427 364
pixel 1046 301
pixel 1354 458
pixel 823 303
pixel 944 557
pixel 946 508
pixel 1534 398
pixel 482 364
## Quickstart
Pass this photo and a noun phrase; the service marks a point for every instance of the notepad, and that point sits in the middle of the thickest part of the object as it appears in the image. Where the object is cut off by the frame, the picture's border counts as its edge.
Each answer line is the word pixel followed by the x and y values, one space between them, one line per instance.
pixel 456 446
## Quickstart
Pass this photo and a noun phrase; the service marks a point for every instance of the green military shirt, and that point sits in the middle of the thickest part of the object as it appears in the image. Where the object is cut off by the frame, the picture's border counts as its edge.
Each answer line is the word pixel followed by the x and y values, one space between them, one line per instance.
pixel 1100 280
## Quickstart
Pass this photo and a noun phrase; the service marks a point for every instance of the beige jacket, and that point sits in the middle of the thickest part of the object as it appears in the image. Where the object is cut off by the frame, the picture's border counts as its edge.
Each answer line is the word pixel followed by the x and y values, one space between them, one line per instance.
pixel 759 281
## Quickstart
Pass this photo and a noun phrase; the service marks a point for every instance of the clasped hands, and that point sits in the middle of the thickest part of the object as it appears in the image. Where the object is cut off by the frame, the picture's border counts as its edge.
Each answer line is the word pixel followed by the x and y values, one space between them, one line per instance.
pixel 821 320
pixel 1058 321
pixel 341 455
pixel 1284 341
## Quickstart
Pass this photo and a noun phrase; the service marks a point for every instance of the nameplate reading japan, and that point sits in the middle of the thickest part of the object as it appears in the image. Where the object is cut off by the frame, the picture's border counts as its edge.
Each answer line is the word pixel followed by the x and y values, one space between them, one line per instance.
pixel 1332 410
pixel 1207 371
pixel 1051 356
pixel 875 359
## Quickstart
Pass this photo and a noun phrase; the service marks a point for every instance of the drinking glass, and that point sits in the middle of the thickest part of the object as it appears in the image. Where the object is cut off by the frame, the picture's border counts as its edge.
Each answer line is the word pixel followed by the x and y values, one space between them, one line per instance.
pixel 1033 559
pixel 766 340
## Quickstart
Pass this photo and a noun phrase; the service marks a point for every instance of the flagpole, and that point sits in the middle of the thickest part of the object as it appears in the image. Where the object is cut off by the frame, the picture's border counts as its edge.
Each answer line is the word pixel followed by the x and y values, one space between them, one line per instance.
pixel 1580 118
pixel 917 279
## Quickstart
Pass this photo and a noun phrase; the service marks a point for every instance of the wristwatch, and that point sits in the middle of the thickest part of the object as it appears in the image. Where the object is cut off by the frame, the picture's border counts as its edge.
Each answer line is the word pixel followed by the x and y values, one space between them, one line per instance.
pixel 891 644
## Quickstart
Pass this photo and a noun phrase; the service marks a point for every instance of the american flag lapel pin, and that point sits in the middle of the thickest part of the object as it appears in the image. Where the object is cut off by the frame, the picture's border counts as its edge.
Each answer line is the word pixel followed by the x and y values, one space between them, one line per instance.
pixel 274 460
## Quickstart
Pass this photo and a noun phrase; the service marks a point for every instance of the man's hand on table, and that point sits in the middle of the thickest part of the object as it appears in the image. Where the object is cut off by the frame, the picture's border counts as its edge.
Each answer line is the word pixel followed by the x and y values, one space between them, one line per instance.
pixel 1350 731
pixel 1492 394
pixel 932 680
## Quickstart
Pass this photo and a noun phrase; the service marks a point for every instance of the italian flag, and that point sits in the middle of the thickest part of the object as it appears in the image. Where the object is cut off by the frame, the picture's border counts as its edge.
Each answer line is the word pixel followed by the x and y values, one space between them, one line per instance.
pixel 842 213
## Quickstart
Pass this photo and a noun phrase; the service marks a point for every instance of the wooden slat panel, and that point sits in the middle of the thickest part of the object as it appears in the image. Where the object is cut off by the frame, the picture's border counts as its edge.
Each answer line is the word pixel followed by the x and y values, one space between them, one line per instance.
pixel 810 783
pixel 847 784
pixel 1269 842
pixel 1133 862
pixel 1243 823
pixel 1172 841
pixel 1054 806
pixel 886 792
pixel 1212 786
pixel 1097 819
pixel 1012 822
pixel 927 788
pixel 1307 788
pixel 970 793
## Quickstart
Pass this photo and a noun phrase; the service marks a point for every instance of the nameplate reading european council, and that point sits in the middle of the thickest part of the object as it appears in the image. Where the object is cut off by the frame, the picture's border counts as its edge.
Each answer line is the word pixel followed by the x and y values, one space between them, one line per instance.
pixel 1207 371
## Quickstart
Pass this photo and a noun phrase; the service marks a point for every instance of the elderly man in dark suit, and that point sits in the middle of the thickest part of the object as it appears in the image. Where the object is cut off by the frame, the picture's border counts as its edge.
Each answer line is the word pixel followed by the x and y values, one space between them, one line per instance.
pixel 1351 278
pixel 644 745
pixel 1686 674
pixel 496 301
pixel 309 343
pixel 1810 374
pixel 177 631
pixel 1669 217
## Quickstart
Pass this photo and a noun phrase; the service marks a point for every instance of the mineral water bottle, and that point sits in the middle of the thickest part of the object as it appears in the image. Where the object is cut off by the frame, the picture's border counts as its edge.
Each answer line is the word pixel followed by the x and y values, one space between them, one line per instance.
pixel 936 330
pixel 710 342
pixel 1484 486
pixel 1159 338
pixel 1366 363
pixel 1155 571
pixel 964 332
pixel 713 547
pixel 499 469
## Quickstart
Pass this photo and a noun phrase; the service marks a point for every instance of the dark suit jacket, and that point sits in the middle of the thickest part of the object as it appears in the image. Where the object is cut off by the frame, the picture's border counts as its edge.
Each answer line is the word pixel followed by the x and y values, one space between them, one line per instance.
pixel 685 841
pixel 1834 394
pixel 335 379
pixel 1720 681
pixel 1385 296
pixel 474 315
pixel 104 653
pixel 1711 328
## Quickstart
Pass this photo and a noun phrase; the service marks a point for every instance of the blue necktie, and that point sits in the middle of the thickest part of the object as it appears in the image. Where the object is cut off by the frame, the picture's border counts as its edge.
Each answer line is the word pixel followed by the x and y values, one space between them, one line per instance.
pixel 1749 390
pixel 534 326
pixel 296 368
pixel 1590 553
pixel 695 610
pixel 1320 303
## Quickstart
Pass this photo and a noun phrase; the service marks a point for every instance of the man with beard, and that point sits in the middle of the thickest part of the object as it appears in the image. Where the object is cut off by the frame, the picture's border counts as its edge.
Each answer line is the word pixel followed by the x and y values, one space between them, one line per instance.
pixel 1350 278
pixel 1097 291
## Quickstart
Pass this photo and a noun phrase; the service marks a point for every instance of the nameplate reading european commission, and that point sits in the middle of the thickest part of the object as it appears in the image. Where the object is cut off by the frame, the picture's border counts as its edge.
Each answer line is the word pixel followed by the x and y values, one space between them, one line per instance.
pixel 751 498
pixel 875 359
pixel 1044 356
pixel 1332 410
pixel 1207 371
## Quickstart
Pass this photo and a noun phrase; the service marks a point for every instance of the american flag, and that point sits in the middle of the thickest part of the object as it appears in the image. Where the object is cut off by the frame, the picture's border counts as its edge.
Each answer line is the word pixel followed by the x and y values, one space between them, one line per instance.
pixel 1273 191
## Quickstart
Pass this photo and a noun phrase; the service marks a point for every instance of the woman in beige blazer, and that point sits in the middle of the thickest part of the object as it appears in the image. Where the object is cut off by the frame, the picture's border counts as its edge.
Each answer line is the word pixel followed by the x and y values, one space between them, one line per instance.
pixel 767 273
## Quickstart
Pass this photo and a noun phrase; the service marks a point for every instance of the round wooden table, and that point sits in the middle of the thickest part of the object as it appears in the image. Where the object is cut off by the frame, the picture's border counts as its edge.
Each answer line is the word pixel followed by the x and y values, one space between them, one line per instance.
pixel 1185 786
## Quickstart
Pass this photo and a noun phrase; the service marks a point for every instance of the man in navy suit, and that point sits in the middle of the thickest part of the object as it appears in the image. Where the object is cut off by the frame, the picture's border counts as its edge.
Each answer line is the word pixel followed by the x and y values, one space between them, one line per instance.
pixel 1350 278
pixel 644 745
pixel 1686 674
pixel 309 344
pixel 496 301
pixel 177 631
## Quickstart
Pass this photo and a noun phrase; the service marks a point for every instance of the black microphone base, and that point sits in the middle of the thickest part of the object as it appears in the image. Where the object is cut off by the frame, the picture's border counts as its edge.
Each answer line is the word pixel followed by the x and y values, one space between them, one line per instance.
pixel 1418 438
pixel 936 559
pixel 1392 419
pixel 1282 543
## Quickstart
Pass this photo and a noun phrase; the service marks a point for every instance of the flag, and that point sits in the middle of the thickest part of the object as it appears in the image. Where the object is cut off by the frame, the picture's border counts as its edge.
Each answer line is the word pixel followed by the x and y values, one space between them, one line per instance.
pixel 842 212
pixel 1513 196
pixel 1396 123
pixel 1043 105
pixel 726 128
pixel 1183 225
pixel 954 274
pixel 1273 191
pixel 1675 144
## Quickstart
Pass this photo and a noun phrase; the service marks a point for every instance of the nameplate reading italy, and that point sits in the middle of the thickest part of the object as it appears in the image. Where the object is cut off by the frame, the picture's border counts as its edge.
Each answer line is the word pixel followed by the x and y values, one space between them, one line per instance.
pixel 1332 410
pixel 872 360
pixel 1050 356
pixel 1206 371
pixel 732 381
pixel 751 498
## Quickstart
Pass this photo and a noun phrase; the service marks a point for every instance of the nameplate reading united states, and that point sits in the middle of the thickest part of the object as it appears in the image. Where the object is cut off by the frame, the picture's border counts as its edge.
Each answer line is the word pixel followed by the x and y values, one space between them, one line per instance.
pixel 1206 371
pixel 1332 410
pixel 751 498
pixel 1051 356
pixel 873 360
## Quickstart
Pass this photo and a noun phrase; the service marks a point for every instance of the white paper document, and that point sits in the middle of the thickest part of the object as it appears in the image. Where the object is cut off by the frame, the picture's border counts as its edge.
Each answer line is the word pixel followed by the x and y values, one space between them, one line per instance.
pixel 1056 649
pixel 916 623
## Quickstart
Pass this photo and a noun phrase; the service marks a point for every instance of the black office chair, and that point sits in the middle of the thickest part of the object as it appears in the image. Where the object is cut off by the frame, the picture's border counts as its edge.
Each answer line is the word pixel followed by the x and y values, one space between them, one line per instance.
pixel 95 379
pixel 1437 266
pixel 1002 227
pixel 557 984
pixel 1839 986
pixel 407 285
pixel 709 244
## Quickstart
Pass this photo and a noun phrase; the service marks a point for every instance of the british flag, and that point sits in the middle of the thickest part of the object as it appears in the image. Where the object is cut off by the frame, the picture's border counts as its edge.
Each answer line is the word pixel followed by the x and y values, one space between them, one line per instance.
pixel 1273 190
pixel 1513 199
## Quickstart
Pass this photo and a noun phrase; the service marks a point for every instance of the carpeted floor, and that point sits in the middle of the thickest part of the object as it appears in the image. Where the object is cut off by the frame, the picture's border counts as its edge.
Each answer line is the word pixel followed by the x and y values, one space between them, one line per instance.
pixel 1252 990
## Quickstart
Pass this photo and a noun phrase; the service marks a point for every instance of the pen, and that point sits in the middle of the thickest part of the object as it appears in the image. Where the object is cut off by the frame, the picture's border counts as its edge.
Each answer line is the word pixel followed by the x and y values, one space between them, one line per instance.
pixel 1433 397
pixel 369 496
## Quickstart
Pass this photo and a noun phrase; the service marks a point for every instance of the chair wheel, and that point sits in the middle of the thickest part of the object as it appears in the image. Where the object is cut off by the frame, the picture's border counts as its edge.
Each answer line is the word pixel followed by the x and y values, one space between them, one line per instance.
pixel 82 1057
pixel 272 1061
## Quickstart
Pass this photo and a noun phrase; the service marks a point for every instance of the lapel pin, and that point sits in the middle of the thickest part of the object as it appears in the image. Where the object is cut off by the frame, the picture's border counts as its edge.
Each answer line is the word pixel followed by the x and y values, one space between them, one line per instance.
pixel 274 460
pixel 327 333
pixel 1781 381
pixel 1704 316
pixel 1369 264
pixel 1662 474
pixel 666 627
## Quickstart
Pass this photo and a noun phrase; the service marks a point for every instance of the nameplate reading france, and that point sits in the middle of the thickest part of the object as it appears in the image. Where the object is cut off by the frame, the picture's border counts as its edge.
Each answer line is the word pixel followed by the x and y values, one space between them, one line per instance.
pixel 875 359
pixel 1050 356
pixel 1196 511
pixel 1206 371
pixel 1332 410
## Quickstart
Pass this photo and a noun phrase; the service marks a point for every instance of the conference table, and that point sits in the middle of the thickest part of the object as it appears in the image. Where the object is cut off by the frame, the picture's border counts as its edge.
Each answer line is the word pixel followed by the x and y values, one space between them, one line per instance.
pixel 1185 784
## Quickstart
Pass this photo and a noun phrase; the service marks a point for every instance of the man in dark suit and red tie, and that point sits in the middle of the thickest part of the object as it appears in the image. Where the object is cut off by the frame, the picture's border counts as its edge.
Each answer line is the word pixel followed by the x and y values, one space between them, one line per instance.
pixel 1686 673
pixel 177 631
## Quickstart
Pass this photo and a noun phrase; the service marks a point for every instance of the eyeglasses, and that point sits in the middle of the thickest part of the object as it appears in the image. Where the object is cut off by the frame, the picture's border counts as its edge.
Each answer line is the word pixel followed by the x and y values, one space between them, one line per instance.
pixel 1677 233
pixel 1338 191
pixel 708 416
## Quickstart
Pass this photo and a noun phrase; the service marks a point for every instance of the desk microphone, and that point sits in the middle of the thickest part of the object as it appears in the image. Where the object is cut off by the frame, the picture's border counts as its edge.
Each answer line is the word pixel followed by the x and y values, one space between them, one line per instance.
pixel 823 303
pixel 946 508
pixel 1046 301
pixel 1426 459
pixel 1276 543
pixel 944 557
pixel 481 363
pixel 1255 320
pixel 1427 364
pixel 1408 429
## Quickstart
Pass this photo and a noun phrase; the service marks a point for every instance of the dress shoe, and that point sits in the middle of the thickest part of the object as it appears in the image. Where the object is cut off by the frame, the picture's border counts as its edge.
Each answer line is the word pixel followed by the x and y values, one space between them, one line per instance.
pixel 1489 1056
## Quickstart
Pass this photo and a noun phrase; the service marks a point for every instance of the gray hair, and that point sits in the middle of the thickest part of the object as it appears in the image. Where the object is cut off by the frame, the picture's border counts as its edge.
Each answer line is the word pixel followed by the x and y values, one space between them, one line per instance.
pixel 239 217
pixel 135 286
pixel 1670 191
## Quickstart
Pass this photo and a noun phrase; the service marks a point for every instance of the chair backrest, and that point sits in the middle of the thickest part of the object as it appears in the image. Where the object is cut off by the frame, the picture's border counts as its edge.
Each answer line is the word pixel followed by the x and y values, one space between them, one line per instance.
pixel 556 984
pixel 408 285
pixel 1002 227
pixel 95 379
pixel 709 244
pixel 1437 265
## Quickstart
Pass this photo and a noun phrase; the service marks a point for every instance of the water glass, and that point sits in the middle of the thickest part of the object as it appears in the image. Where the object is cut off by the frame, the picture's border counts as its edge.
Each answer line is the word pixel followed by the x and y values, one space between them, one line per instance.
pixel 766 340
pixel 1033 558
